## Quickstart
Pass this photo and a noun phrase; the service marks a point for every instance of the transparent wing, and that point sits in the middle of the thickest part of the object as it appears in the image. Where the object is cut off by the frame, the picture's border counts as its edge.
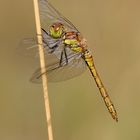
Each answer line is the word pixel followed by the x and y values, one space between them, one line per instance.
pixel 71 66
pixel 50 15
pixel 28 48
pixel 60 65
pixel 74 66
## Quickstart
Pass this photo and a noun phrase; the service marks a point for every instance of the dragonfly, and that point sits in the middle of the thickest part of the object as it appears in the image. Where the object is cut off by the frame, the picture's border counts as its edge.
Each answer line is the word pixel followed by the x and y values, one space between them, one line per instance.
pixel 66 52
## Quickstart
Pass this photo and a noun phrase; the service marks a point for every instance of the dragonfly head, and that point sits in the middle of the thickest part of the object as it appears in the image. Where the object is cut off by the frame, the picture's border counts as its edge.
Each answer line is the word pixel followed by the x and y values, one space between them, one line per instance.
pixel 56 30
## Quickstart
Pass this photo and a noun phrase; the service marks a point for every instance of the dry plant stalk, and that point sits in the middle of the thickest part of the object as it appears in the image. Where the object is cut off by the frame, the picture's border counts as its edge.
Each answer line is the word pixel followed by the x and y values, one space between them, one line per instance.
pixel 43 69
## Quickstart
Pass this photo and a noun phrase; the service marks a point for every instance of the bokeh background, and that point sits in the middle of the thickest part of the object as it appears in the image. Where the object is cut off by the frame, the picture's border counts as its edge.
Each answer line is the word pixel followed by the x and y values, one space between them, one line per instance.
pixel 112 29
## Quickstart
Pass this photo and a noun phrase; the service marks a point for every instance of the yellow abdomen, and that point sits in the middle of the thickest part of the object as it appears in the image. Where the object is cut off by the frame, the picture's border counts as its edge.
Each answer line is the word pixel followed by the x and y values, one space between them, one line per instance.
pixel 90 63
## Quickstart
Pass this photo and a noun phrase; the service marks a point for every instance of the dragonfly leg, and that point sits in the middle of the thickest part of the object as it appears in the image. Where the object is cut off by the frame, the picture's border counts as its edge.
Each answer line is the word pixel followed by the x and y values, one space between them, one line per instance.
pixel 63 53
pixel 45 31
pixel 66 56
pixel 61 58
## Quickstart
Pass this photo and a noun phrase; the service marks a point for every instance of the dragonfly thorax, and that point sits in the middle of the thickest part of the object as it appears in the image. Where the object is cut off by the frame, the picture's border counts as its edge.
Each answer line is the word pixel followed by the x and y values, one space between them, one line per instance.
pixel 74 41
pixel 56 30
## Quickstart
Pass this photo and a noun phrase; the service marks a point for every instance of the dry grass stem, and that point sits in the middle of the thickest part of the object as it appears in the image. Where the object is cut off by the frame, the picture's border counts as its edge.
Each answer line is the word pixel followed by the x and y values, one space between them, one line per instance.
pixel 43 69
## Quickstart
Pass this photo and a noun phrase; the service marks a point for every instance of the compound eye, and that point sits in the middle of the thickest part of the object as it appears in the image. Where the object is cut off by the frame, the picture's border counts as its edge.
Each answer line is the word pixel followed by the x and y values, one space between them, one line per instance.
pixel 53 26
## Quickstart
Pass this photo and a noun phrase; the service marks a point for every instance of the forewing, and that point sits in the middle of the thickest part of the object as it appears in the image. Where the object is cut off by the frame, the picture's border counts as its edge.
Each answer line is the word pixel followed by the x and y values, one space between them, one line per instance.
pixel 50 15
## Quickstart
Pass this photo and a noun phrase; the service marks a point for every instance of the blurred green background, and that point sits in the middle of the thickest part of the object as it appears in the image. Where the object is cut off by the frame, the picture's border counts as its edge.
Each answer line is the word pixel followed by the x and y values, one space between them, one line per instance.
pixel 112 29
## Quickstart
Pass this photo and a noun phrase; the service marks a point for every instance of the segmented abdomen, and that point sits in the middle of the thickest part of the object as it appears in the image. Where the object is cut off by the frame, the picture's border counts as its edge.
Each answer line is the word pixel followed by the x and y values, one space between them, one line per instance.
pixel 90 63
